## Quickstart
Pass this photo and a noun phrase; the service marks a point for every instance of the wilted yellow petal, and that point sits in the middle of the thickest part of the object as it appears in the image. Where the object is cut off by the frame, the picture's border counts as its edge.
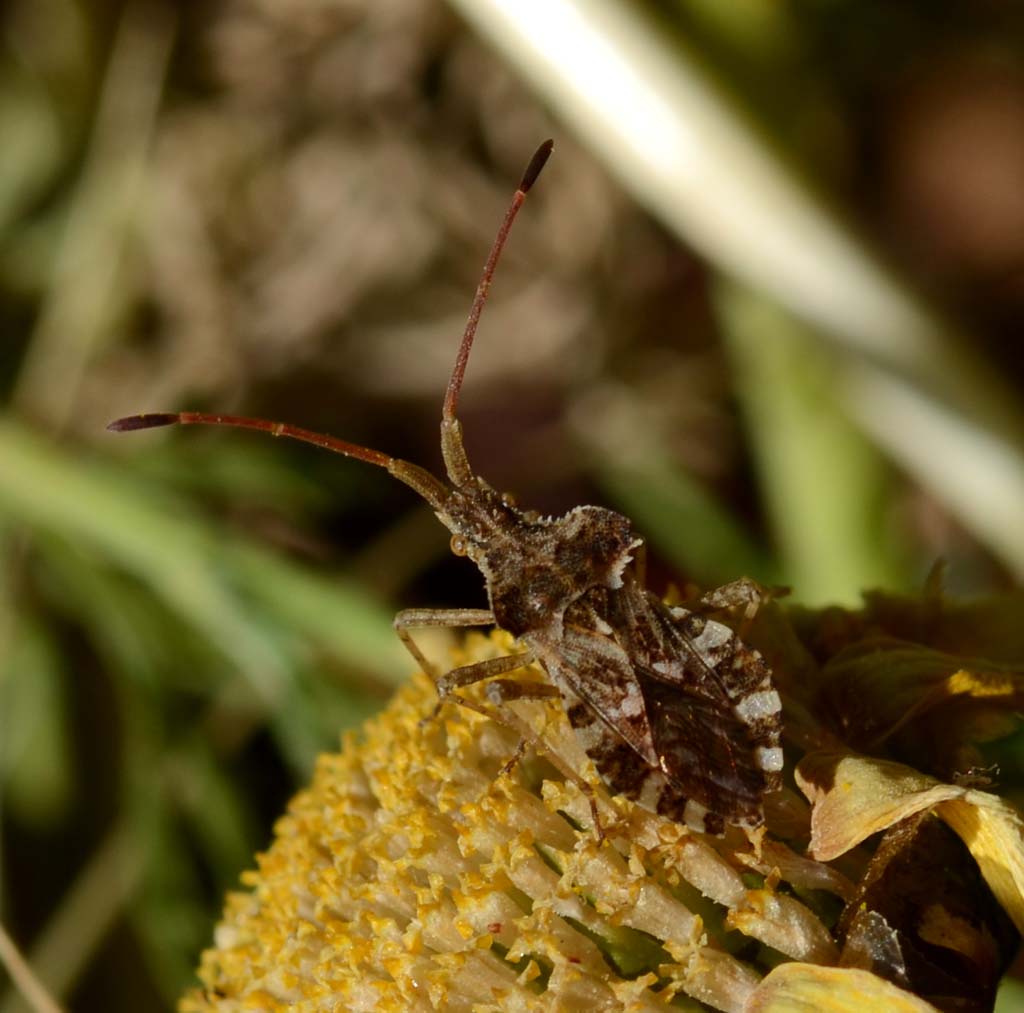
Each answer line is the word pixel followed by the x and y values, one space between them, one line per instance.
pixel 924 919
pixel 854 797
pixel 994 832
pixel 808 988
pixel 978 682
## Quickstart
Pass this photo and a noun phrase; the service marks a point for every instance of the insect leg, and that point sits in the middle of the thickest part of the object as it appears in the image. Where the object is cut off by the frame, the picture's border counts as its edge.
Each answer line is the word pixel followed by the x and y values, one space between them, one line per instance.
pixel 510 764
pixel 418 619
pixel 743 592
pixel 466 675
pixel 504 691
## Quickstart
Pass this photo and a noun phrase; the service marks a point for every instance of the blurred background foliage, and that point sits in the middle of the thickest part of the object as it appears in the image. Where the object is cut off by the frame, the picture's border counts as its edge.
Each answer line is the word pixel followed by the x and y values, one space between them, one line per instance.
pixel 282 209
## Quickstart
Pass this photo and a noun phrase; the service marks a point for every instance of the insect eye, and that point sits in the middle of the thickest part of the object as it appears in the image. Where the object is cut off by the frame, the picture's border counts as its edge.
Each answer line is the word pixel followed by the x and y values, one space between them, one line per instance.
pixel 458 545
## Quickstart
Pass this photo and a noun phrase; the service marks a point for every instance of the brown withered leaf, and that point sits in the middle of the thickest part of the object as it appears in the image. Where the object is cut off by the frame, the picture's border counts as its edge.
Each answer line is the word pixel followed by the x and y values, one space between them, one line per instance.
pixel 879 684
pixel 989 626
pixel 923 919
pixel 808 988
pixel 854 796
pixel 948 742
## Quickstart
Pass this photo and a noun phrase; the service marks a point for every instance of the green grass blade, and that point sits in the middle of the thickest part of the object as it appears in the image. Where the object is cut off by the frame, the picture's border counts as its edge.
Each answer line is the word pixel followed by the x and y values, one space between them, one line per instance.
pixel 825 486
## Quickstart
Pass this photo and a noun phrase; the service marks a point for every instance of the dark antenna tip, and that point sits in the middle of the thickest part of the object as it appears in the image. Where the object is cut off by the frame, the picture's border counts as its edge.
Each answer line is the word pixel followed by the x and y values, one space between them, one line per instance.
pixel 150 421
pixel 461 470
pixel 540 157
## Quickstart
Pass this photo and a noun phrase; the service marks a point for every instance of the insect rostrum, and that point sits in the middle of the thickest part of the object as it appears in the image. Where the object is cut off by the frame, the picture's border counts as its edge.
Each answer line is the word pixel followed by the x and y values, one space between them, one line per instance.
pixel 676 712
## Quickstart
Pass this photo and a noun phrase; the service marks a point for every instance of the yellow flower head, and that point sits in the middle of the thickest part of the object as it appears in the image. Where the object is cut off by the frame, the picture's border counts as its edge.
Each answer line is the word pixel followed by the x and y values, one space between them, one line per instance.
pixel 422 871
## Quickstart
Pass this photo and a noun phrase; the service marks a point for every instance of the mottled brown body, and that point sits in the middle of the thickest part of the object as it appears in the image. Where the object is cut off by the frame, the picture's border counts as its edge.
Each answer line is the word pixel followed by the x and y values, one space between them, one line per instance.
pixel 675 711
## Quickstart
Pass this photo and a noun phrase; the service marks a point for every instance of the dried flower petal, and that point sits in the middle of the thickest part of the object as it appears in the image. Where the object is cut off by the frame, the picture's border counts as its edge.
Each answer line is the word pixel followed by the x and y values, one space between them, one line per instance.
pixel 856 796
pixel 994 831
pixel 988 627
pixel 879 684
pixel 784 924
pixel 807 988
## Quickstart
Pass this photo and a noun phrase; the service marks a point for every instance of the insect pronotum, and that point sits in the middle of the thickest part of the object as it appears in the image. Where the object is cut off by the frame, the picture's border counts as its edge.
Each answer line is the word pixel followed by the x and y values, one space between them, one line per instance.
pixel 676 712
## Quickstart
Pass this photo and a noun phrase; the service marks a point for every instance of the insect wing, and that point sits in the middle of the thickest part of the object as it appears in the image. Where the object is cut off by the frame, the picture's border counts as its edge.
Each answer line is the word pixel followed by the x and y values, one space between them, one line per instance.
pixel 746 679
pixel 714 713
pixel 712 774
pixel 606 707
pixel 675 711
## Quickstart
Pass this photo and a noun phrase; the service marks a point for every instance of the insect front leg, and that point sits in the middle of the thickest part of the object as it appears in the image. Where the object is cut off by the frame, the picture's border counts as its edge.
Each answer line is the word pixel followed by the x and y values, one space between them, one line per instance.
pixel 465 675
pixel 505 691
pixel 502 692
pixel 418 619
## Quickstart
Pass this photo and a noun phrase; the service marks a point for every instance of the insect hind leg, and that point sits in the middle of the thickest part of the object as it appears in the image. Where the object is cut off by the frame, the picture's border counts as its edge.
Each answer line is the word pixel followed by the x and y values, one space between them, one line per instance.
pixel 745 596
pixel 502 692
pixel 466 675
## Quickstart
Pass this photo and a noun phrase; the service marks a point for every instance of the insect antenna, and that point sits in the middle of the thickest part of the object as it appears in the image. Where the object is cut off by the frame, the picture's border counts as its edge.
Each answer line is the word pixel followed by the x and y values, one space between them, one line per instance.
pixel 455 460
pixel 419 479
pixel 433 491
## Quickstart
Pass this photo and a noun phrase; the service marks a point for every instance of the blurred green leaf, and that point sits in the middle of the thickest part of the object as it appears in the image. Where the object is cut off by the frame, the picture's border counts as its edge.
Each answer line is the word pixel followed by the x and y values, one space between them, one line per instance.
pixel 34 746
pixel 216 815
pixel 168 912
pixel 32 145
pixel 87 911
pixel 135 635
pixel 825 487
pixel 236 471
pixel 1010 997
pixel 213 580
pixel 683 521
